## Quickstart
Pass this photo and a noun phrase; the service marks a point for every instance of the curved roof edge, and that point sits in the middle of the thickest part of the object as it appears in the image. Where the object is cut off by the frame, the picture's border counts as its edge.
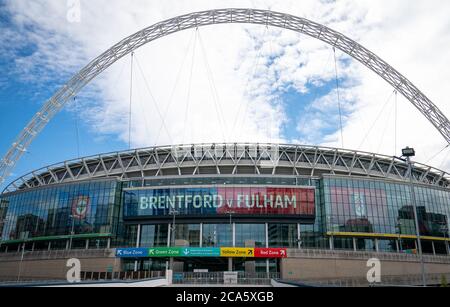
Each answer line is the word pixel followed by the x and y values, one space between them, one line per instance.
pixel 230 159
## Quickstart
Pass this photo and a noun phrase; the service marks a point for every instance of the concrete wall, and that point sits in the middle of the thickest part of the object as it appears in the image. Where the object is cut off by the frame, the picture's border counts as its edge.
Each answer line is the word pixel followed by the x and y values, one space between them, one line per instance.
pixel 304 269
pixel 302 265
pixel 54 269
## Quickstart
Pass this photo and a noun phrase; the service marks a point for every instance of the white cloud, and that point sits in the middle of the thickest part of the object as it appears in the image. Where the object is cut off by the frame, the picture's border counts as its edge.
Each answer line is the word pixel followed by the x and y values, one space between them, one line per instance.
pixel 413 38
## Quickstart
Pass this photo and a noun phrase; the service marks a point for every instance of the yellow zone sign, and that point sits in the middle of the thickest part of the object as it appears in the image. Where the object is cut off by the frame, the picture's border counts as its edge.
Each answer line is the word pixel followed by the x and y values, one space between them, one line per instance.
pixel 237 252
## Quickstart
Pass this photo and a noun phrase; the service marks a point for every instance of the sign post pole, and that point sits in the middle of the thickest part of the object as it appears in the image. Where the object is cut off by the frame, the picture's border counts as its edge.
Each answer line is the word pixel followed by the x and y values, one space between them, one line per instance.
pixel 174 213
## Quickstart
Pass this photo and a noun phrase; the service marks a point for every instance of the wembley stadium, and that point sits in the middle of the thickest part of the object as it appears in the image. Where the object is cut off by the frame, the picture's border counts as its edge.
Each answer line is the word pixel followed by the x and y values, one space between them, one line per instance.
pixel 247 213
pixel 296 212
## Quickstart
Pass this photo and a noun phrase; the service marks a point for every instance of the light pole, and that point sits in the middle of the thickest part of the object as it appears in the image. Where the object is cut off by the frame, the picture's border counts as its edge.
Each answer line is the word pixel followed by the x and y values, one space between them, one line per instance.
pixel 72 232
pixel 230 260
pixel 172 239
pixel 299 243
pixel 230 212
pixel 408 153
pixel 21 259
pixel 399 226
pixel 2 223
pixel 445 231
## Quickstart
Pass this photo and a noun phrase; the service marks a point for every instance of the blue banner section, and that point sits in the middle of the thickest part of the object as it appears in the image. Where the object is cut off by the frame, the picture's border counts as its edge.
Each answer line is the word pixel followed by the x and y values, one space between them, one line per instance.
pixel 132 252
pixel 159 202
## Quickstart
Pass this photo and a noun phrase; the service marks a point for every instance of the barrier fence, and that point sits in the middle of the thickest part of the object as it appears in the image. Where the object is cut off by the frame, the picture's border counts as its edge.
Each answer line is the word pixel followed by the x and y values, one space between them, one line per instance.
pixel 117 276
pixel 218 278
pixel 87 277
pixel 386 281
pixel 215 278
pixel 292 253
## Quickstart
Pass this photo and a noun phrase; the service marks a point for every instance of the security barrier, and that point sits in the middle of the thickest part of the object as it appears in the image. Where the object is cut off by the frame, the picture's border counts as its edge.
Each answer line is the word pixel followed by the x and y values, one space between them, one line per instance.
pixel 217 278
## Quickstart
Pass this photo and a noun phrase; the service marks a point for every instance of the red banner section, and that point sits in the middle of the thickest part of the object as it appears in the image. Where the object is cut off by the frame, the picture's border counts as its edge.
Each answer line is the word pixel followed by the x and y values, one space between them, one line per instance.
pixel 270 253
pixel 276 201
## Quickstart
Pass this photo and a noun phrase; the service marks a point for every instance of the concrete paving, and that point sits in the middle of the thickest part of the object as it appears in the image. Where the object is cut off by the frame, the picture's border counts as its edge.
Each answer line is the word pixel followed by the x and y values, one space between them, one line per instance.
pixel 219 286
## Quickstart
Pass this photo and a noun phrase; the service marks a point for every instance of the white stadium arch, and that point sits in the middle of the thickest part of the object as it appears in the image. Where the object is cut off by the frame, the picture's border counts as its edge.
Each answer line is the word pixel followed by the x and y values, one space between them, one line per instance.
pixel 211 17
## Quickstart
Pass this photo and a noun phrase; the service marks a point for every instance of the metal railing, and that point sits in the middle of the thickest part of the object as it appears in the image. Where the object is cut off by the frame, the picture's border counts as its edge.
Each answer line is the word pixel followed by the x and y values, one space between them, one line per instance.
pixel 356 255
pixel 118 276
pixel 301 253
pixel 86 277
pixel 386 281
pixel 59 254
pixel 217 278
pixel 292 253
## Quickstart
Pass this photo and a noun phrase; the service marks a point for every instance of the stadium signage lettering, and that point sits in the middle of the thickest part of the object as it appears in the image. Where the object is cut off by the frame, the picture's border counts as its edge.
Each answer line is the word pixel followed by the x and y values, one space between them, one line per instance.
pixel 256 201
pixel 217 201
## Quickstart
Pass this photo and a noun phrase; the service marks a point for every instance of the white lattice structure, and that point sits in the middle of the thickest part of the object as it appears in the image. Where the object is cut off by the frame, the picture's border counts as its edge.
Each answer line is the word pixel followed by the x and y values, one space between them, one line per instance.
pixel 230 159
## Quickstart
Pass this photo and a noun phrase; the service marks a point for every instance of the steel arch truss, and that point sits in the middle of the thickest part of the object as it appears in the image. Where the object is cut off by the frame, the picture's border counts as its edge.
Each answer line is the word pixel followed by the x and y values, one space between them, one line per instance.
pixel 230 159
pixel 221 16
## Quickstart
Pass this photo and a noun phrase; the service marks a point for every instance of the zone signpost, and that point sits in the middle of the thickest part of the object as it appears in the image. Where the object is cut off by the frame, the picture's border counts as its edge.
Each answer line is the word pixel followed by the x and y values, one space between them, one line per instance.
pixel 193 252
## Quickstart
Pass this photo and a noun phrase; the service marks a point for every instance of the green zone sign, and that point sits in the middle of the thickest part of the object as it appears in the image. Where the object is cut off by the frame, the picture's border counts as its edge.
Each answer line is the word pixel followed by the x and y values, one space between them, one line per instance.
pixel 164 252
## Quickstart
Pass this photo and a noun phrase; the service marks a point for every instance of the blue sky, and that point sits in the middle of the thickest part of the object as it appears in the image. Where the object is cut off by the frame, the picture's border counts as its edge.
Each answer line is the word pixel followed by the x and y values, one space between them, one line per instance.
pixel 19 102
pixel 288 97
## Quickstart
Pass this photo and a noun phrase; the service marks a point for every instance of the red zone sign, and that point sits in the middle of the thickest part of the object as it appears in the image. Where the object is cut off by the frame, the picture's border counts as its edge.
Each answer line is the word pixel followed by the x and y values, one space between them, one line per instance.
pixel 270 253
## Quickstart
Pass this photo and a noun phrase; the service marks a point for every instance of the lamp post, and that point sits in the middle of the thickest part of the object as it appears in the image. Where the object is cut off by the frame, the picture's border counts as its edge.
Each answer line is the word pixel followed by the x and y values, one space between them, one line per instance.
pixel 2 223
pixel 408 153
pixel 444 230
pixel 230 213
pixel 72 232
pixel 172 239
pixel 21 259
pixel 399 227
pixel 230 260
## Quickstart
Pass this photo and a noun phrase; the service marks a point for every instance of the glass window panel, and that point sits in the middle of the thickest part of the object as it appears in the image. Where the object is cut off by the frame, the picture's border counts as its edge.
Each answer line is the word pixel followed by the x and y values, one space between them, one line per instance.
pixel 343 243
pixel 154 235
pixel 387 246
pixel 250 235
pixel 187 235
pixel 217 235
pixel 283 235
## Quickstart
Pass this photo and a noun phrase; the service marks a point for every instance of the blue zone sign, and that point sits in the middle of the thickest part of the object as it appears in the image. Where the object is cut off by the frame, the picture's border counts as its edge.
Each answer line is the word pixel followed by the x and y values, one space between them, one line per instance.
pixel 131 252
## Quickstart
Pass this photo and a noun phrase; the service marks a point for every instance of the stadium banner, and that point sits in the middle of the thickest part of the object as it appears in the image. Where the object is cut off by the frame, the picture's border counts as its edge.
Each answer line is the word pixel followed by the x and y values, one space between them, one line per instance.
pixel 251 201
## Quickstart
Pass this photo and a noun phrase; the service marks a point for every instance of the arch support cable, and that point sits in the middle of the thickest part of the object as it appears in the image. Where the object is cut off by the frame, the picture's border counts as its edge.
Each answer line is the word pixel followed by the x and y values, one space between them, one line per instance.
pixel 338 97
pixel 130 115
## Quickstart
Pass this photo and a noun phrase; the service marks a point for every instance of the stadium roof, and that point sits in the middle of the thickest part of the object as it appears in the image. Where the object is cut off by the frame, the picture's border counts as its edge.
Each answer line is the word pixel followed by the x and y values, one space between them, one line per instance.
pixel 230 159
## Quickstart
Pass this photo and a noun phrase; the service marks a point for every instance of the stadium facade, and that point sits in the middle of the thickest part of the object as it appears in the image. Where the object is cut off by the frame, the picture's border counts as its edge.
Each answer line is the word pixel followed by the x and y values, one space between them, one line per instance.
pixel 219 207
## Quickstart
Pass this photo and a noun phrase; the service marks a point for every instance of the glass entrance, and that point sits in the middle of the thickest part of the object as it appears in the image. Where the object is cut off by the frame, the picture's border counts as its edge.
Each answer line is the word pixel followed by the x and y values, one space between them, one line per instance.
pixel 201 265
pixel 256 265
